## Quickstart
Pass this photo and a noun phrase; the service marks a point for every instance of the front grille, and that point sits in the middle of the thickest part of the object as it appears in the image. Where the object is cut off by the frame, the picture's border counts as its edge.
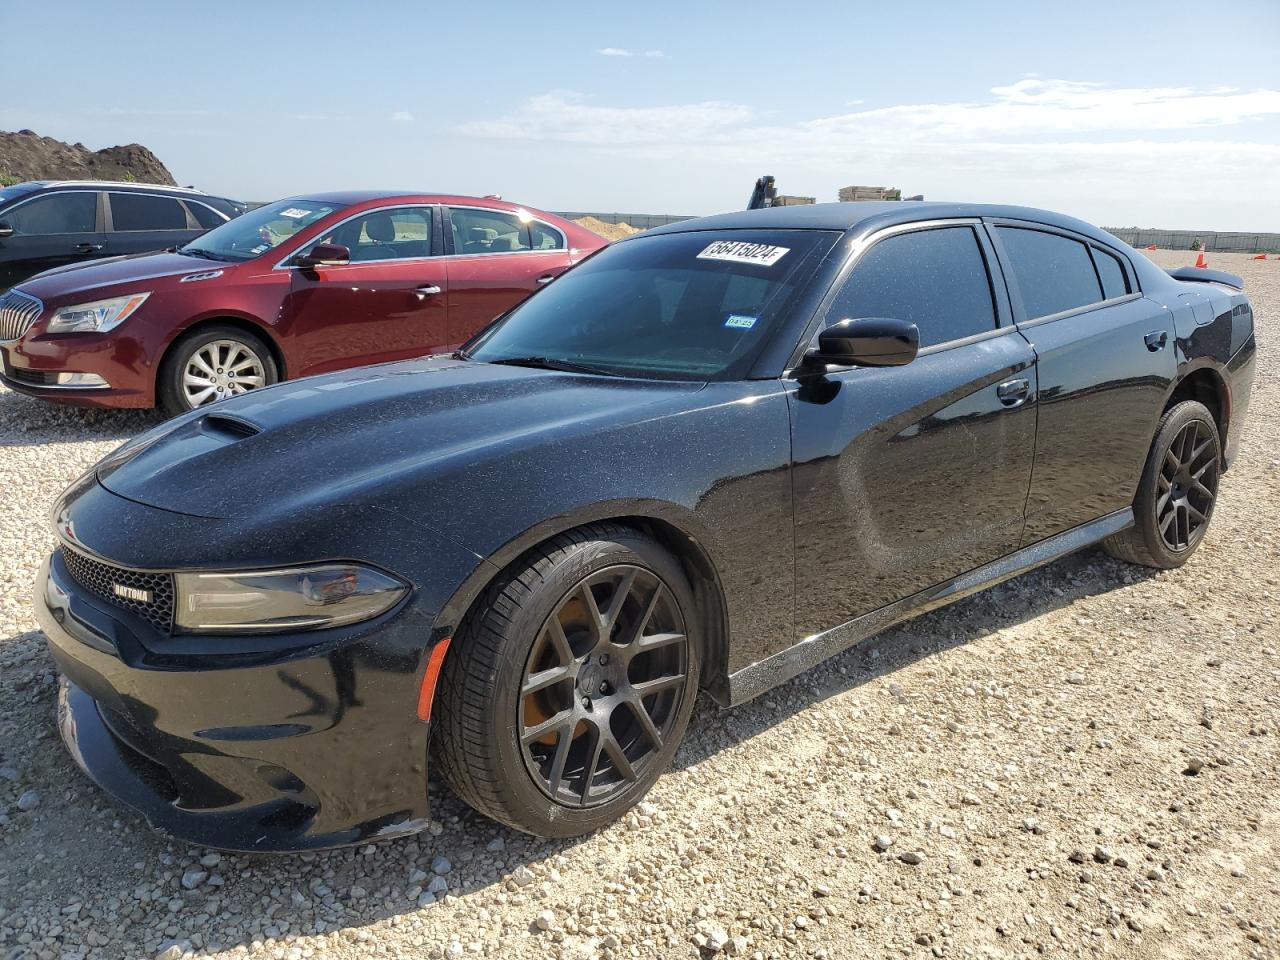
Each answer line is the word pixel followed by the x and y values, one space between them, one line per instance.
pixel 101 579
pixel 18 312
pixel 37 378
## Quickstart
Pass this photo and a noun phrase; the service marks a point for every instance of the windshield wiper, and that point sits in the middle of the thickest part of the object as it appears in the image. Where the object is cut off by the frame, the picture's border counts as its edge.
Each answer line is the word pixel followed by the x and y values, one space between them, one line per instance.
pixel 552 363
pixel 200 252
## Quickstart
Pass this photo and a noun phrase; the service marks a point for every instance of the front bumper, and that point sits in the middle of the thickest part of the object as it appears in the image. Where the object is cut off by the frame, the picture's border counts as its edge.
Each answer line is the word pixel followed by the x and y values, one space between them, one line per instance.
pixel 286 751
pixel 30 365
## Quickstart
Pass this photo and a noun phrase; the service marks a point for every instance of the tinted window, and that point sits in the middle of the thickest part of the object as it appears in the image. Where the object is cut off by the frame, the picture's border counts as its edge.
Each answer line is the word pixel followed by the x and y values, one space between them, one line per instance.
pixel 204 216
pixel 137 211
pixel 1053 272
pixel 488 231
pixel 1112 274
pixel 397 234
pixel 56 213
pixel 936 279
pixel 681 306
pixel 544 237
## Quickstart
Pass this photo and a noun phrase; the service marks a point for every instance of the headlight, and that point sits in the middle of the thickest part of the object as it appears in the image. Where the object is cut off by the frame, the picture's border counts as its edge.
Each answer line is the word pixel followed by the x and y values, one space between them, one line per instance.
pixel 273 601
pixel 97 317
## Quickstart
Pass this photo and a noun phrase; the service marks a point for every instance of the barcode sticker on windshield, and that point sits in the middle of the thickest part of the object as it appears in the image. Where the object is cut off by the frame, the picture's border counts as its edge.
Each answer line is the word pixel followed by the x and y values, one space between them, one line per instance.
pixel 294 213
pixel 739 251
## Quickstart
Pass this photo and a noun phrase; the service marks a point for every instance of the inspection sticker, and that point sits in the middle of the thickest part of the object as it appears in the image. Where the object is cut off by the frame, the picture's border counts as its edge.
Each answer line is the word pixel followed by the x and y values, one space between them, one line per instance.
pixel 739 251
pixel 740 321
pixel 294 213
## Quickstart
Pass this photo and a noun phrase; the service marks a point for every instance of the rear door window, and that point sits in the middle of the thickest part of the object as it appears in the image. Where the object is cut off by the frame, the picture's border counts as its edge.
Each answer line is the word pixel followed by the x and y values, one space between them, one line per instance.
pixel 488 231
pixel 935 278
pixel 75 212
pixel 1053 273
pixel 1111 273
pixel 140 211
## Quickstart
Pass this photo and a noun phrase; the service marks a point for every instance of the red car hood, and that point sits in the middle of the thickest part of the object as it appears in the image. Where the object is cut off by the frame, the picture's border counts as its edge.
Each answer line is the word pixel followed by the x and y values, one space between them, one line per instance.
pixel 82 281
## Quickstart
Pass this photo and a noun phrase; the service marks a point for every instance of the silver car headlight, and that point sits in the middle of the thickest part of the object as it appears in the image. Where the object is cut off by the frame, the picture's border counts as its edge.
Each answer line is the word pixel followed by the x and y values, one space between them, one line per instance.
pixel 275 601
pixel 96 317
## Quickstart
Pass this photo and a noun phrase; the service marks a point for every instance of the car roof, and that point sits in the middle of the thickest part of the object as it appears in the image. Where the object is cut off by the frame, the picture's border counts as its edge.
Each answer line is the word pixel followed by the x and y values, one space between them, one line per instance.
pixel 862 216
pixel 348 198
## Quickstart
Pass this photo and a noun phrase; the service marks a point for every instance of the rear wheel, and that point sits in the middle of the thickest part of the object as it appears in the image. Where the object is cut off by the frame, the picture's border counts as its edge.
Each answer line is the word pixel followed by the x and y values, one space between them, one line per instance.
pixel 212 364
pixel 568 689
pixel 1177 492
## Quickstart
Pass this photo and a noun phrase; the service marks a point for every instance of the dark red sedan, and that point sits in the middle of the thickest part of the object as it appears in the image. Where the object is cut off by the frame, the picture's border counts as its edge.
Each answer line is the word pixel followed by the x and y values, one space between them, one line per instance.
pixel 300 286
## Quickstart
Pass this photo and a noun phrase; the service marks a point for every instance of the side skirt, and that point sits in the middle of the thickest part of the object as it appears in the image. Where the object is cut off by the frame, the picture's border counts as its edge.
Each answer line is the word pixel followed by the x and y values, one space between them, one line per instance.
pixel 753 680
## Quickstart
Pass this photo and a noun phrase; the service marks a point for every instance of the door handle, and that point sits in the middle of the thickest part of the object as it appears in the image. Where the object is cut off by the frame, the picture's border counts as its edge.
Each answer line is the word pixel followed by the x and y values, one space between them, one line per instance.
pixel 89 247
pixel 1014 393
pixel 547 279
pixel 1155 340
pixel 428 291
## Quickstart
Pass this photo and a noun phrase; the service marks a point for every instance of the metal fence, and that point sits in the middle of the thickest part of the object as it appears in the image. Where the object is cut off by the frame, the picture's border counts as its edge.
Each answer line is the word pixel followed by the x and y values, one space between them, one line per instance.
pixel 1210 240
pixel 641 221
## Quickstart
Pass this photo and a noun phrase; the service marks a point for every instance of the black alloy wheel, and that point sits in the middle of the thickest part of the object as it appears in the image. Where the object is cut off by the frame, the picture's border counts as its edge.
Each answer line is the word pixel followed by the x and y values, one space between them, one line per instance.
pixel 1188 483
pixel 603 685
pixel 1177 491
pixel 569 684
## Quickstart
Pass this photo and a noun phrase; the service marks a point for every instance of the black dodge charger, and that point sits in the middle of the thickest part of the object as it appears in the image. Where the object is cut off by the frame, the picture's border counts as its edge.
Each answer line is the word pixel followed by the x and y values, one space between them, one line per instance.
pixel 707 458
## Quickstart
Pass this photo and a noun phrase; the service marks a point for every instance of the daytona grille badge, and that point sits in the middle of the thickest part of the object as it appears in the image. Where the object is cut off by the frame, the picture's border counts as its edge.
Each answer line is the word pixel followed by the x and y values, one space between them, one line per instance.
pixel 131 593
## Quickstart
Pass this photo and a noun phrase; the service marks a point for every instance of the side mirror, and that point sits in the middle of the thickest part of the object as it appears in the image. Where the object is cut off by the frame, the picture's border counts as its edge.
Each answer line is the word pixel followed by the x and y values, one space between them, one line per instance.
pixel 870 342
pixel 322 255
pixel 5 229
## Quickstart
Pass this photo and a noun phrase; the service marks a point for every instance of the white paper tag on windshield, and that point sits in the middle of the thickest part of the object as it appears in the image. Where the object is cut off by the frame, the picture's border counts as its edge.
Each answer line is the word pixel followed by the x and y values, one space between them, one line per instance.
pixel 739 251
pixel 294 213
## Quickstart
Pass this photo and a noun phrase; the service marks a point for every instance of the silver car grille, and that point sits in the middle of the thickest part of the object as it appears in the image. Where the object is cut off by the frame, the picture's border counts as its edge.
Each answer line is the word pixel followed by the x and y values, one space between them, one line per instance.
pixel 18 311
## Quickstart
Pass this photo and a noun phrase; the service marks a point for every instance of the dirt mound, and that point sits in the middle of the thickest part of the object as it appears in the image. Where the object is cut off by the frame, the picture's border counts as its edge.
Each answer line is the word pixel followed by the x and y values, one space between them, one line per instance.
pixel 610 231
pixel 26 155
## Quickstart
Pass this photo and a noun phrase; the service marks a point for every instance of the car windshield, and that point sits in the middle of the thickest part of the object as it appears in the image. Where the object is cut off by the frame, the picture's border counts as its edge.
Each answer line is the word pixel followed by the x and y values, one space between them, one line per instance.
pixel 678 306
pixel 259 230
pixel 17 190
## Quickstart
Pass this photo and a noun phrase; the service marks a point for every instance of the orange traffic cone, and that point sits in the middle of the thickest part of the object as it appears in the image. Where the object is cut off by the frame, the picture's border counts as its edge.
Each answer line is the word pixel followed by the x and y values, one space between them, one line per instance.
pixel 1152 247
pixel 1201 262
pixel 1261 256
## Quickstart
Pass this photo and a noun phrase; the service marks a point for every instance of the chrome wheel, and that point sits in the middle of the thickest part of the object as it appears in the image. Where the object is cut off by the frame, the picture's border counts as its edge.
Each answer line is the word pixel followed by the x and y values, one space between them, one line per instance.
pixel 1186 486
pixel 603 686
pixel 220 369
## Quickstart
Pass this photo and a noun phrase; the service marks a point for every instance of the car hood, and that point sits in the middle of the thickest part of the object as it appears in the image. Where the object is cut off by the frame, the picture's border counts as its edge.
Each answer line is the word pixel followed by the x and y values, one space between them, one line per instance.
pixel 360 435
pixel 75 279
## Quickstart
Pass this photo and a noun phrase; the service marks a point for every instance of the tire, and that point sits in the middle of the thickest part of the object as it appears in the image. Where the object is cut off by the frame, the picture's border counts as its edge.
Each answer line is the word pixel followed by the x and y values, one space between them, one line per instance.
pixel 1177 492
pixel 177 396
pixel 498 747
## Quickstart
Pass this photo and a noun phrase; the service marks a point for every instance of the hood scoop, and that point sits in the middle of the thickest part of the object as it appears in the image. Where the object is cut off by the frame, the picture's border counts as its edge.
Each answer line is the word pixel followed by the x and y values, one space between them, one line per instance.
pixel 229 426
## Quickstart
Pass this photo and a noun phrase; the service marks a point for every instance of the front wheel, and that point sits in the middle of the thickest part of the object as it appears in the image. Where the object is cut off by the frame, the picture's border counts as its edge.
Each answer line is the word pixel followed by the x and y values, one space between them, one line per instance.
pixel 1177 492
pixel 569 687
pixel 212 364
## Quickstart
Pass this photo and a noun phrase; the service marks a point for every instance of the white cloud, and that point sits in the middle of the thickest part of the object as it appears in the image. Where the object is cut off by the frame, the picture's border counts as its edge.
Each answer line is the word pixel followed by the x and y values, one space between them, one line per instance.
pixel 655 54
pixel 402 116
pixel 614 52
pixel 1097 150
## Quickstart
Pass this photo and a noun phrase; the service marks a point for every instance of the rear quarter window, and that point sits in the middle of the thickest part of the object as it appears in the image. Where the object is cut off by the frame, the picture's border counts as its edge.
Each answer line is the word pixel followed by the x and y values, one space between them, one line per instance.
pixel 1111 273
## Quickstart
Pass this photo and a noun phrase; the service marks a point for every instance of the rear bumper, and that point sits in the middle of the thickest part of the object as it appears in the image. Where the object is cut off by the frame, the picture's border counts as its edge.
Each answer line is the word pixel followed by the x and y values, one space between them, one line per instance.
pixel 287 753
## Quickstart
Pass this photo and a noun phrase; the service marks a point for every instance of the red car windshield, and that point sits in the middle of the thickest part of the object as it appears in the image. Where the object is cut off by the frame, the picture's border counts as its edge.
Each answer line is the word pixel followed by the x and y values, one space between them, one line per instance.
pixel 259 230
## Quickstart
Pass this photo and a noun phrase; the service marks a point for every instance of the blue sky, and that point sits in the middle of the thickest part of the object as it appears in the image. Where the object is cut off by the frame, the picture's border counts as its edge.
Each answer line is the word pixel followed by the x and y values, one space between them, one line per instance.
pixel 1122 113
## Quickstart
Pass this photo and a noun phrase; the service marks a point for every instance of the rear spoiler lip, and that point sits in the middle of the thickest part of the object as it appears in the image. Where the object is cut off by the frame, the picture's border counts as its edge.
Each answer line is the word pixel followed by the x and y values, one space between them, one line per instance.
pixel 1204 275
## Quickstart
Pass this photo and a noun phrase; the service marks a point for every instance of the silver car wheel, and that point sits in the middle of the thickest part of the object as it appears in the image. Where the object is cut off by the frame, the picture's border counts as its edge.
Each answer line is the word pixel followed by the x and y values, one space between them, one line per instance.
pixel 220 369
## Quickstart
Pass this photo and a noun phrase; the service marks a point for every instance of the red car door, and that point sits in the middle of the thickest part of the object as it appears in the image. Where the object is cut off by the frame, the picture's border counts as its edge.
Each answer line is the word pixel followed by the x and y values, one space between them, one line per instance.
pixel 498 258
pixel 388 303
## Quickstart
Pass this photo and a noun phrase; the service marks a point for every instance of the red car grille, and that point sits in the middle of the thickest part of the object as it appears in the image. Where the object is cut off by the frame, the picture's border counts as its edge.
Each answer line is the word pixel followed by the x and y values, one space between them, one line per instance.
pixel 18 312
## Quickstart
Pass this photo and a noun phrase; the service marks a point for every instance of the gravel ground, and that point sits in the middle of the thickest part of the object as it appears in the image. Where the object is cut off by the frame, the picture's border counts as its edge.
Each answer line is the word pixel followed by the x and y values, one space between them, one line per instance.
pixel 1085 760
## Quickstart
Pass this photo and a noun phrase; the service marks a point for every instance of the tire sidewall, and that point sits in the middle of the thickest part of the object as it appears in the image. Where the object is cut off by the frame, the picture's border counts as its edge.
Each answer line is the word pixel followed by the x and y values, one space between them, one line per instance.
pixel 171 397
pixel 1145 503
pixel 552 818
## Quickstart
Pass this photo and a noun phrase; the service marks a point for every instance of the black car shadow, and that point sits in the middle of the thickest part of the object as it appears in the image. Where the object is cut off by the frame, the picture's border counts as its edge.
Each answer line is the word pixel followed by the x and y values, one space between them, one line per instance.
pixel 84 841
pixel 28 421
